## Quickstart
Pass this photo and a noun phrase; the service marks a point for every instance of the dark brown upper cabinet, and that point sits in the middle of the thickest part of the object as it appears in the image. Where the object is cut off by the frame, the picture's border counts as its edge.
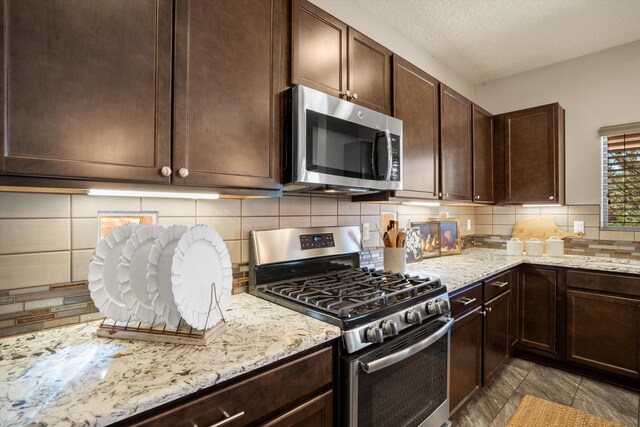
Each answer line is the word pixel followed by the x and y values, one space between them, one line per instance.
pixel 328 56
pixel 369 72
pixel 455 145
pixel 318 49
pixel 415 102
pixel 229 80
pixel 482 155
pixel 531 145
pixel 87 89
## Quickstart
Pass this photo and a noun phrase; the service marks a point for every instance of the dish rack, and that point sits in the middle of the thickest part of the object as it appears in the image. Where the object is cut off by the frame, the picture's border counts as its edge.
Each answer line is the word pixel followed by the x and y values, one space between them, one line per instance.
pixel 161 332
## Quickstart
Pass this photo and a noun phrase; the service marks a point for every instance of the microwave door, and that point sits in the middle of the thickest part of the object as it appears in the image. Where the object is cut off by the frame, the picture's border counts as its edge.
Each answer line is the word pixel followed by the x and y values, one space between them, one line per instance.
pixel 382 146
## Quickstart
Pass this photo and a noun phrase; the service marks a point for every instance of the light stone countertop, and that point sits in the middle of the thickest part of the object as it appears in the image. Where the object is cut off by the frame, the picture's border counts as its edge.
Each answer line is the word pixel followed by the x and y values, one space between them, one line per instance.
pixel 475 264
pixel 69 376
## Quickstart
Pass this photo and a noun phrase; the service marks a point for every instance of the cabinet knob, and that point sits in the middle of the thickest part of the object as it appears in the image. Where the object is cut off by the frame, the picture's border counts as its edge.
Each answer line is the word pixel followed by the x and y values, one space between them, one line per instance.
pixel 347 94
pixel 183 172
pixel 439 194
pixel 446 194
pixel 355 95
pixel 165 171
pixel 478 197
pixel 551 197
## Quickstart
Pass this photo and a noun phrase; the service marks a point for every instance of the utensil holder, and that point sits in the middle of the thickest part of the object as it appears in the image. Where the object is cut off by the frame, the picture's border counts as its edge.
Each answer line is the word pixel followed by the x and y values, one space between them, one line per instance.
pixel 395 260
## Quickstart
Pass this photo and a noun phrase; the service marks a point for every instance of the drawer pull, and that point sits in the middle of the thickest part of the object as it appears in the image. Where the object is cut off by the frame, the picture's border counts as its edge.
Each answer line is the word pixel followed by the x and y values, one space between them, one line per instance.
pixel 466 301
pixel 499 284
pixel 227 419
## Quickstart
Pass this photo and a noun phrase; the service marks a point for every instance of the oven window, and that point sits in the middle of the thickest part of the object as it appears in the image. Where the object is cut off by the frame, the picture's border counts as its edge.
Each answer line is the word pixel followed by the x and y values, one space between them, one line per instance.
pixel 406 393
pixel 342 148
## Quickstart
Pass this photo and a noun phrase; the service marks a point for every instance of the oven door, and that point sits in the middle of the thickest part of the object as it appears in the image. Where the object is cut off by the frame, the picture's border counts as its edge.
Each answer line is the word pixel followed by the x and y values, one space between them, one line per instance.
pixel 338 143
pixel 403 382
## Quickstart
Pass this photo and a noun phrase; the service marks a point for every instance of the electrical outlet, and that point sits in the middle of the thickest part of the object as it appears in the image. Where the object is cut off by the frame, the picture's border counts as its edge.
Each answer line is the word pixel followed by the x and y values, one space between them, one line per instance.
pixel 578 226
pixel 468 225
pixel 365 231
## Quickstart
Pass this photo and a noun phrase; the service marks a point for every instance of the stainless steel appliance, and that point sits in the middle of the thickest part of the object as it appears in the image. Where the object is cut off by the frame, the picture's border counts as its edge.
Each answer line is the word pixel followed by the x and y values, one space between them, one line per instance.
pixel 337 146
pixel 394 362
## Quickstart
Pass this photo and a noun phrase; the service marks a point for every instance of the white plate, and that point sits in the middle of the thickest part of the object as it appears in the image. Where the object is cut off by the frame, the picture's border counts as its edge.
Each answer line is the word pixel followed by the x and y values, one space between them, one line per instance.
pixel 103 273
pixel 132 272
pixel 159 274
pixel 201 259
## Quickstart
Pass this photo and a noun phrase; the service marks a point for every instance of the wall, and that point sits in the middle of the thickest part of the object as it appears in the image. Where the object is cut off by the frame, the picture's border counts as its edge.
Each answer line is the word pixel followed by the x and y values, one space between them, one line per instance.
pixel 47 240
pixel 596 90
pixel 361 19
pixel 495 223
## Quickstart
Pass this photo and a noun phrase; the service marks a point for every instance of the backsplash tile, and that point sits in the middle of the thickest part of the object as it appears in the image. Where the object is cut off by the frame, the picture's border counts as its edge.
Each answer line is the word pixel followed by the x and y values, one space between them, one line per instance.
pixel 33 205
pixel 25 235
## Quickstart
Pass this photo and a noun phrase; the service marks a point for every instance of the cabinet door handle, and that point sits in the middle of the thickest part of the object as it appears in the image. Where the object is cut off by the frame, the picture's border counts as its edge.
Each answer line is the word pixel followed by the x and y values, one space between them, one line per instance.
pixel 499 284
pixel 465 300
pixel 183 172
pixel 478 197
pixel 227 419
pixel 355 95
pixel 486 311
pixel 165 171
pixel 551 197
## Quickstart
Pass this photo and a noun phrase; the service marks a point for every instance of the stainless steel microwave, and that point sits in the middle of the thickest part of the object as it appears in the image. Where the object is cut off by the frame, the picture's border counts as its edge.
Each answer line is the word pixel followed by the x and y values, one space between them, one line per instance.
pixel 336 146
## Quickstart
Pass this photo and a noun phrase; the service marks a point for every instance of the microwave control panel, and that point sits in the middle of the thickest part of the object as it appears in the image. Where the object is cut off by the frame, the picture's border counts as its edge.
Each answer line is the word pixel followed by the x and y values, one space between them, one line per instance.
pixel 316 241
pixel 395 159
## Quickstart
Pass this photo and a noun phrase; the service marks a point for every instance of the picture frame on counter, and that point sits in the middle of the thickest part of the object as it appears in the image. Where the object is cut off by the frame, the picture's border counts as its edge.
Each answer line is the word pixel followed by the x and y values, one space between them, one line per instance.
pixel 413 244
pixel 450 242
pixel 429 238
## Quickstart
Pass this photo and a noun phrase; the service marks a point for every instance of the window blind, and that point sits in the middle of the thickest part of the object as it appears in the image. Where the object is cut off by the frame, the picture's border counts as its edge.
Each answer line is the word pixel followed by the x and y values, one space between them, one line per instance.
pixel 621 180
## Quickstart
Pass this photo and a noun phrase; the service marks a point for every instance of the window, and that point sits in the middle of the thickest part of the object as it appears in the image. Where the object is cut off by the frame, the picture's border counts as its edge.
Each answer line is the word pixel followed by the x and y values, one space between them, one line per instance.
pixel 621 176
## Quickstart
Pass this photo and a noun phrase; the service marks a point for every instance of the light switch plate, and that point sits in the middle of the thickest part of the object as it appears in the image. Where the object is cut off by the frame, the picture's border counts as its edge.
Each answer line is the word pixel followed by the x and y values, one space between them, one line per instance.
pixel 578 226
pixel 365 231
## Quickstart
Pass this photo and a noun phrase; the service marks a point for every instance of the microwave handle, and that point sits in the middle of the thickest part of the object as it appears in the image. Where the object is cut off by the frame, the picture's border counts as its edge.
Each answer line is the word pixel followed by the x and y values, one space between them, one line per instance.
pixel 389 155
pixel 394 358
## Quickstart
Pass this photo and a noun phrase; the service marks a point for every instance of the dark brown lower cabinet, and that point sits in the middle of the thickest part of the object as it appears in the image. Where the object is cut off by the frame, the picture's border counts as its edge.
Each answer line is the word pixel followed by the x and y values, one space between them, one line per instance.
pixel 515 314
pixel 603 332
pixel 466 358
pixel 497 343
pixel 297 393
pixel 538 288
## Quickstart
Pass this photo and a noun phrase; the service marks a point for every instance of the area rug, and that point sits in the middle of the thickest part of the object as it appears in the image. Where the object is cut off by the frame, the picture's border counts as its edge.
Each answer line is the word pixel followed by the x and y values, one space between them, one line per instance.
pixel 534 411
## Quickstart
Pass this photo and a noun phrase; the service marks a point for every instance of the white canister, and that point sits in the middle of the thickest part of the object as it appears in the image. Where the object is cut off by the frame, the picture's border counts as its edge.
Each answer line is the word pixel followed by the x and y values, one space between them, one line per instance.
pixel 534 247
pixel 395 260
pixel 514 246
pixel 555 246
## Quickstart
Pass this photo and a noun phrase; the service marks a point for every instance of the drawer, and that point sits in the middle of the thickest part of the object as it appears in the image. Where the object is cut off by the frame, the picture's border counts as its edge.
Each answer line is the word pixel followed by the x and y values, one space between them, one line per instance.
pixel 604 282
pixel 470 298
pixel 497 285
pixel 267 393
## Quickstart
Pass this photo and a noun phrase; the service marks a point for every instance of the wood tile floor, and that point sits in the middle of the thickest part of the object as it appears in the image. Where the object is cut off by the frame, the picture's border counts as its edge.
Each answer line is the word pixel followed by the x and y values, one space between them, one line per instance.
pixel 497 401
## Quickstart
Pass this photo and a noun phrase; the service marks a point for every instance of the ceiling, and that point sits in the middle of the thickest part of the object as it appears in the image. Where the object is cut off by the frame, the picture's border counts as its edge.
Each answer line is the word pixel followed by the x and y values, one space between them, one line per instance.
pixel 485 40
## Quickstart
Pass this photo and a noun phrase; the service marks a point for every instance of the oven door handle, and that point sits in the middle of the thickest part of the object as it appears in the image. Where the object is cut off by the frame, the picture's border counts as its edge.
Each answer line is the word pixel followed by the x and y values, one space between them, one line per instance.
pixel 387 361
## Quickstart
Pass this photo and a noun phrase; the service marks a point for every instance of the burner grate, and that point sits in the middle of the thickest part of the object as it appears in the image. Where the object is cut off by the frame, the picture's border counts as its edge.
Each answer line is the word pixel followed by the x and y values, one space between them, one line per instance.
pixel 353 292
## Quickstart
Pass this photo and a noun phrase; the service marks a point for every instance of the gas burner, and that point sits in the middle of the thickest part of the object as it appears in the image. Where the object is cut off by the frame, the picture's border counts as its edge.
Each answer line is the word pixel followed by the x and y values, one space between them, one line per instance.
pixel 352 292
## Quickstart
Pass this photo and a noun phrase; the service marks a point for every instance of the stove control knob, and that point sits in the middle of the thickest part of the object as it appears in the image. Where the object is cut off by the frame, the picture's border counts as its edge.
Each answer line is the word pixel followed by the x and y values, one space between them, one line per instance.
pixel 438 306
pixel 375 335
pixel 389 327
pixel 413 317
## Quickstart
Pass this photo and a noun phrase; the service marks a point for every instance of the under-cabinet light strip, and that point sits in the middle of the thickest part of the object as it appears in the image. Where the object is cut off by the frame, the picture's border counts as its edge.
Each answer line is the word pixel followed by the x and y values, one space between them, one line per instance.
pixel 541 206
pixel 161 194
pixel 430 204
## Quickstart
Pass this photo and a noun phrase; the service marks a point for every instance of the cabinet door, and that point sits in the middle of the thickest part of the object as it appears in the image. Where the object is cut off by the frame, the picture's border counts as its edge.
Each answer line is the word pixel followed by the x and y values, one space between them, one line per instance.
pixel 369 72
pixel 227 92
pixel 455 145
pixel 316 412
pixel 87 89
pixel 514 322
pixel 534 155
pixel 482 155
pixel 318 49
pixel 603 332
pixel 466 356
pixel 496 333
pixel 538 293
pixel 415 102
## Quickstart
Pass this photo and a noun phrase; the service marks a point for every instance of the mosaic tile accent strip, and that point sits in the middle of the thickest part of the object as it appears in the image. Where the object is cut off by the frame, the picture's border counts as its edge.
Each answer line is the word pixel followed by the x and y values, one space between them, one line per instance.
pixel 589 247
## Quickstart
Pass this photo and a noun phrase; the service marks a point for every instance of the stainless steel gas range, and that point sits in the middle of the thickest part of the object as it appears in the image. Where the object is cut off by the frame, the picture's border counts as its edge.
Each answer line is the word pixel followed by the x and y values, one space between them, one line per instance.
pixel 394 362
